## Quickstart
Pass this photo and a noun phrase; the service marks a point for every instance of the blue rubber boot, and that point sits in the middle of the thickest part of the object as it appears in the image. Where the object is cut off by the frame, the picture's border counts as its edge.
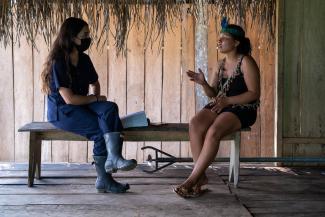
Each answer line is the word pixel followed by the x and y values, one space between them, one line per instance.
pixel 115 160
pixel 105 182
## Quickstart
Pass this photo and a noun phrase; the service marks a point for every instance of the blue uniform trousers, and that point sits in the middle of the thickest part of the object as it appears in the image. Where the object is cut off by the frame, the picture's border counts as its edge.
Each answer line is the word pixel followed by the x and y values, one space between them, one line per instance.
pixel 91 121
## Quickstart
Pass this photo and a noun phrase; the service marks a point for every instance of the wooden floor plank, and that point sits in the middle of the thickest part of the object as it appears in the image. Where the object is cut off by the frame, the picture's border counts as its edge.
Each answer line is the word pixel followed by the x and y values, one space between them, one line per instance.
pixel 284 197
pixel 63 193
pixel 91 181
pixel 90 189
pixel 290 207
pixel 281 191
pixel 88 170
pixel 174 209
pixel 300 214
pixel 68 190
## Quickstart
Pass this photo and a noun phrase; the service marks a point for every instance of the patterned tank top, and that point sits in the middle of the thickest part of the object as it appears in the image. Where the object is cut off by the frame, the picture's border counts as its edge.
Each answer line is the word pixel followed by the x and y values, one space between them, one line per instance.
pixel 234 85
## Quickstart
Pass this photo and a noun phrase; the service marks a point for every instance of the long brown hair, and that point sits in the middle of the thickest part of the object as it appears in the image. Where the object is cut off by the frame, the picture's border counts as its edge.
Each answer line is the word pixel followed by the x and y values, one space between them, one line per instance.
pixel 61 49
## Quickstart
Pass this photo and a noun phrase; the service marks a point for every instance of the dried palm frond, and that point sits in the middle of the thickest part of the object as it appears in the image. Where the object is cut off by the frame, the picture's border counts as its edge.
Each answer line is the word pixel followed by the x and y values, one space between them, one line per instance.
pixel 31 17
pixel 6 21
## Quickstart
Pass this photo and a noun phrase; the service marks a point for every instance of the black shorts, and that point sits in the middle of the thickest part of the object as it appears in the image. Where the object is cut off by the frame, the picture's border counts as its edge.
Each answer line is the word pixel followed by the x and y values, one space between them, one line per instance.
pixel 247 116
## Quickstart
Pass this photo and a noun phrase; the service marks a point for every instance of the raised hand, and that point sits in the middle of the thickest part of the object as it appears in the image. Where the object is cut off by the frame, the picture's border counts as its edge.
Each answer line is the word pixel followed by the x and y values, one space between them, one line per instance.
pixel 197 77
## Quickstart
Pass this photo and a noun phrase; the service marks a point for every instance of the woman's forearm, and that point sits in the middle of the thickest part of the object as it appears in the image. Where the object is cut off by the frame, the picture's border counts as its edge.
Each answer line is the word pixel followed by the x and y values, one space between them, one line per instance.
pixel 81 100
pixel 209 91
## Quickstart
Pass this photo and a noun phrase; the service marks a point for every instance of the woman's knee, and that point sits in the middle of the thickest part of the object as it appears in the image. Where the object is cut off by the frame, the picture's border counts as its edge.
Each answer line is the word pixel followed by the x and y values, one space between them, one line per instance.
pixel 196 124
pixel 214 132
pixel 194 121
pixel 200 122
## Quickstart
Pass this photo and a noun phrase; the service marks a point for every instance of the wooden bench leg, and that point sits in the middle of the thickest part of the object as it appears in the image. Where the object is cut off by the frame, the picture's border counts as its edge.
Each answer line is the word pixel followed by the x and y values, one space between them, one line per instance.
pixel 34 158
pixel 31 165
pixel 234 163
pixel 38 144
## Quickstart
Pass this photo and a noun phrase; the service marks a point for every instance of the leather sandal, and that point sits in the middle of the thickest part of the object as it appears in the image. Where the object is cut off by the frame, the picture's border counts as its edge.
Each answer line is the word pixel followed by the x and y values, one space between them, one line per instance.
pixel 188 192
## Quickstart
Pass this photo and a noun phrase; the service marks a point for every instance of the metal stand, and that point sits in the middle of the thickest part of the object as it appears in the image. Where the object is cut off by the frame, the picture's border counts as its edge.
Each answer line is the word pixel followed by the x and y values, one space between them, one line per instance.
pixel 170 159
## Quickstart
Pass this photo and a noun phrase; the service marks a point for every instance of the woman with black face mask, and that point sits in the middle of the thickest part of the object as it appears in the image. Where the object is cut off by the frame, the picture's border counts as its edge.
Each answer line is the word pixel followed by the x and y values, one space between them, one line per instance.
pixel 68 73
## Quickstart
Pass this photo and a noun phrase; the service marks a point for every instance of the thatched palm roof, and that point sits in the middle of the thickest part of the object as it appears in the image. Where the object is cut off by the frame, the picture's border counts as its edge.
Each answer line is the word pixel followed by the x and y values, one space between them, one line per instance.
pixel 30 17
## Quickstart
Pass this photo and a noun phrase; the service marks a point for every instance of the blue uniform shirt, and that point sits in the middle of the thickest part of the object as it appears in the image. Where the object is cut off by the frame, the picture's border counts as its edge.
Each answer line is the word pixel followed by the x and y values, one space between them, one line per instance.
pixel 78 81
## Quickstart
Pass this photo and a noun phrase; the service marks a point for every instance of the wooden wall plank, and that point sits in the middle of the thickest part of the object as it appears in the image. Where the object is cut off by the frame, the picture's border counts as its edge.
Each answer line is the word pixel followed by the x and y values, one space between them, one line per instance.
pixel 90 147
pixel 171 82
pixel 78 151
pixel 100 61
pixel 187 86
pixel 40 54
pixel 135 84
pixel 116 77
pixel 313 73
pixel 279 74
pixel 267 108
pixel 250 141
pixel 312 83
pixel 212 47
pixel 60 151
pixel 7 118
pixel 293 12
pixel 23 95
pixel 153 87
pixel 292 68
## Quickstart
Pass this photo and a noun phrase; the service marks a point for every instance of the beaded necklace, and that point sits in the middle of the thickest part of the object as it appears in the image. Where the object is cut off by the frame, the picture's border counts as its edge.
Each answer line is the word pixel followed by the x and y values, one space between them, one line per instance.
pixel 224 88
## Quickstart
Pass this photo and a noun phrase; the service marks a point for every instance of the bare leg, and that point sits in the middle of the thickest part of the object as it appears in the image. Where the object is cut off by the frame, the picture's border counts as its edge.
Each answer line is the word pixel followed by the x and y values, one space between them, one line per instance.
pixel 224 124
pixel 198 128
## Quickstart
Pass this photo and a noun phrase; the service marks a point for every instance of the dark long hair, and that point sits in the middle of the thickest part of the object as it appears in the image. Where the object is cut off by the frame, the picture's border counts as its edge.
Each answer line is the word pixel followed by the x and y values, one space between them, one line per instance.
pixel 244 46
pixel 61 49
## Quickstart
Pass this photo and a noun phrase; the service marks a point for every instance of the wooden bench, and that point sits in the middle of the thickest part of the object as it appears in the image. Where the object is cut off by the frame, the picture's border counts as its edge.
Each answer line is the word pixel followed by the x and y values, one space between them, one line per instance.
pixel 166 132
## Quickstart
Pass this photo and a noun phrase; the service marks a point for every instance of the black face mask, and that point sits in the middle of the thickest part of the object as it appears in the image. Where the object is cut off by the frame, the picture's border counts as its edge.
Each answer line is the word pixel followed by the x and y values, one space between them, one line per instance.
pixel 85 43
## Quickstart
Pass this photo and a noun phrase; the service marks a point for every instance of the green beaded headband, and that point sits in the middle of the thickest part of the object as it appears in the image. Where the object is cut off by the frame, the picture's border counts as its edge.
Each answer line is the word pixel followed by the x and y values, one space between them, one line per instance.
pixel 226 29
pixel 233 32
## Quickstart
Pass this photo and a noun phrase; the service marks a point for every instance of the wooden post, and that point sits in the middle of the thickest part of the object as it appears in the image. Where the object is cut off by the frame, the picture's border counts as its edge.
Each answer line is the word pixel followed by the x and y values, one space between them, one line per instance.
pixel 278 146
pixel 201 50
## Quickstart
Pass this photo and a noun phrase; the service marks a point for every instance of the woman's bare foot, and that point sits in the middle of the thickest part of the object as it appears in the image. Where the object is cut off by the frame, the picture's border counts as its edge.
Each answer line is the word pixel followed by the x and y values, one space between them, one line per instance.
pixel 202 181
pixel 185 192
pixel 185 189
pixel 188 190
